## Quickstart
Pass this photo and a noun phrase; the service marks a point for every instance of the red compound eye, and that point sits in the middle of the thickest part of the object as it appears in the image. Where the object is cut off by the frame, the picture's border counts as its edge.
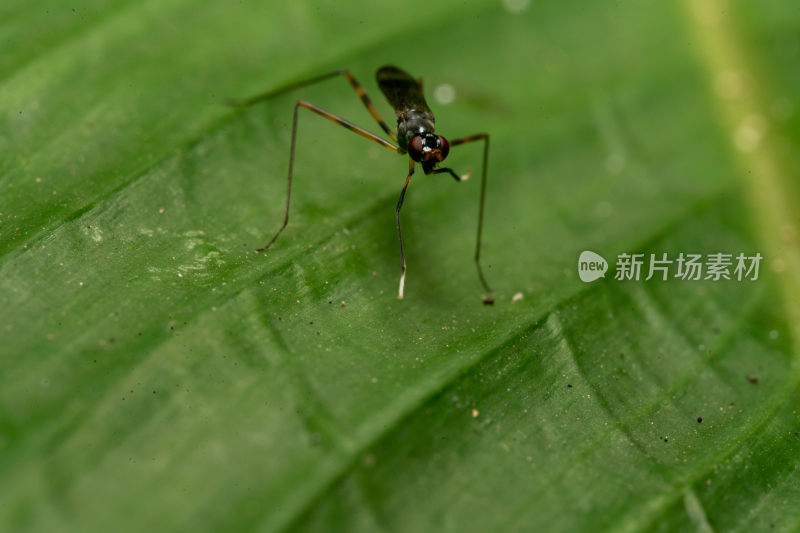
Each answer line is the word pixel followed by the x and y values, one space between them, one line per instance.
pixel 415 148
pixel 444 147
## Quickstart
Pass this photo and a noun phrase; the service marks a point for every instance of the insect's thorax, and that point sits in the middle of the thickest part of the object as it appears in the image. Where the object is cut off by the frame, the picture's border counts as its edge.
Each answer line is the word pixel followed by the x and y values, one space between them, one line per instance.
pixel 413 122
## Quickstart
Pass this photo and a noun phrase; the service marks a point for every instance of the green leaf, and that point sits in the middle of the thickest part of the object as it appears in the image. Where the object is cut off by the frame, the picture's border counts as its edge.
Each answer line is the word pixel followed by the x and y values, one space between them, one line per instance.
pixel 159 375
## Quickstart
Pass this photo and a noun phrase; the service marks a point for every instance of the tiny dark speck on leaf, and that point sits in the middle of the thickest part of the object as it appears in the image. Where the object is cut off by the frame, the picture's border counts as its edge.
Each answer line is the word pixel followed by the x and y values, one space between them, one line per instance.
pixel 752 379
pixel 666 439
pixel 569 385
pixel 699 419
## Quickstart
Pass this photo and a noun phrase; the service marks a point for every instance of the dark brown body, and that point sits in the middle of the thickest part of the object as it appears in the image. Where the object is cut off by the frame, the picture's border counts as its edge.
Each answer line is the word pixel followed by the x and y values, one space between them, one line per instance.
pixel 404 94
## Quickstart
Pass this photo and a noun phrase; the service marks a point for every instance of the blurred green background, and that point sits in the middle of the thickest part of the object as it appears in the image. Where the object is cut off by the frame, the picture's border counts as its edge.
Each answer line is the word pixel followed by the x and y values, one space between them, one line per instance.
pixel 158 375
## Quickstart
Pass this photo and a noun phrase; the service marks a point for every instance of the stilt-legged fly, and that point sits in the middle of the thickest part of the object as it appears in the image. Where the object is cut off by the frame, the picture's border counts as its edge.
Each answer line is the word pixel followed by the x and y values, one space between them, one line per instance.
pixel 415 136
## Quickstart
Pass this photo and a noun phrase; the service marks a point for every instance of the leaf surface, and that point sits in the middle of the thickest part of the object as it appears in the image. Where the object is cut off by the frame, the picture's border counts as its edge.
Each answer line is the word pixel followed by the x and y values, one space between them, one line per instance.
pixel 160 375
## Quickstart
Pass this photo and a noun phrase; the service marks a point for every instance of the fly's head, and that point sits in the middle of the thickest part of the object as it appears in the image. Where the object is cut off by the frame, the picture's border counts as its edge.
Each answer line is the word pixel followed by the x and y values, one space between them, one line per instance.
pixel 429 150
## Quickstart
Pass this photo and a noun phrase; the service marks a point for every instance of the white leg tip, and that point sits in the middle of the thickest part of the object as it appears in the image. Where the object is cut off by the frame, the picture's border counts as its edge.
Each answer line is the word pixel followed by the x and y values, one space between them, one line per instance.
pixel 466 176
pixel 402 286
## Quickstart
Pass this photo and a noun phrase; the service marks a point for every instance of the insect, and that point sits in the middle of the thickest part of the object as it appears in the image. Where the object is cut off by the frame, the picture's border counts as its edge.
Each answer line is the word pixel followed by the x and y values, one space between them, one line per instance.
pixel 415 135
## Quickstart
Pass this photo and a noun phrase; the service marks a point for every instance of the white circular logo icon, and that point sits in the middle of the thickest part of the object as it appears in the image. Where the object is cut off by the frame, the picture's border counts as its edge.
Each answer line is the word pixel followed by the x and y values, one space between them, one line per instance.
pixel 591 266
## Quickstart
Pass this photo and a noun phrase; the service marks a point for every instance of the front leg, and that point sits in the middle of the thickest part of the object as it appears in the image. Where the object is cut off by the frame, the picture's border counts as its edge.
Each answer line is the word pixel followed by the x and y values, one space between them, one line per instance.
pixel 399 233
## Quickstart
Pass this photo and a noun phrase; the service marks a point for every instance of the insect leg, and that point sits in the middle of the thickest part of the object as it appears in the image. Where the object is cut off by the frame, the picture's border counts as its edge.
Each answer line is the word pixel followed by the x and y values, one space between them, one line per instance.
pixel 489 299
pixel 399 233
pixel 362 94
pixel 450 171
pixel 333 118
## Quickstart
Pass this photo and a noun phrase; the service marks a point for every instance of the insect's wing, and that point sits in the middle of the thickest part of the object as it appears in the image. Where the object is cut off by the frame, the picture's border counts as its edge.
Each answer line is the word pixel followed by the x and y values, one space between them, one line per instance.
pixel 402 91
